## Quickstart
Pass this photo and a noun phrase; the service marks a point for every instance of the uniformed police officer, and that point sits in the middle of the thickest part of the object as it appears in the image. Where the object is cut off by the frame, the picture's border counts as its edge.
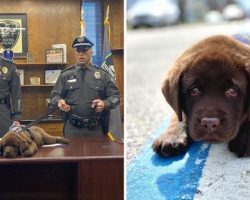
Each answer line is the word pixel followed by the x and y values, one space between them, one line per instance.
pixel 85 93
pixel 10 95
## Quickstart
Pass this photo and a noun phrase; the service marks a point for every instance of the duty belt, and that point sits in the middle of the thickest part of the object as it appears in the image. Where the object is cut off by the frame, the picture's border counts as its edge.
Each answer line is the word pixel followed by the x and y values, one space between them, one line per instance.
pixel 81 122
pixel 3 100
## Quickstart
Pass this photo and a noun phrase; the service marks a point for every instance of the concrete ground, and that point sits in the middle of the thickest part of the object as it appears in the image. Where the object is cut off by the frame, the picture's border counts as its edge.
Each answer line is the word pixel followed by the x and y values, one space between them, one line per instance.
pixel 150 52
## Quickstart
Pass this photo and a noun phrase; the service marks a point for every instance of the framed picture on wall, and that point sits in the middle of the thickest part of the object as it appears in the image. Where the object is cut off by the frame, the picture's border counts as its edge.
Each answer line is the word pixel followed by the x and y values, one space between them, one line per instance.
pixel 54 55
pixel 13 30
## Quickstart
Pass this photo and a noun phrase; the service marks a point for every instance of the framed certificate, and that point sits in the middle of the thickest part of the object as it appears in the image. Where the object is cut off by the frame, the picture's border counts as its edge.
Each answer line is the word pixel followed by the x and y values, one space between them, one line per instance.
pixel 51 76
pixel 54 55
pixel 64 47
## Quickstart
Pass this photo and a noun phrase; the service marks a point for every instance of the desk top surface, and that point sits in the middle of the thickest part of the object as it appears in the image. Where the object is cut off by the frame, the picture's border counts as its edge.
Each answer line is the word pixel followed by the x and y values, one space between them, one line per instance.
pixel 78 149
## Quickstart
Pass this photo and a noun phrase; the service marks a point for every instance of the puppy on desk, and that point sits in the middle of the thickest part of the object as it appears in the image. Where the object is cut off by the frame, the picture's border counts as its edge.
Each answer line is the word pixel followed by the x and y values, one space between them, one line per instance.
pixel 26 142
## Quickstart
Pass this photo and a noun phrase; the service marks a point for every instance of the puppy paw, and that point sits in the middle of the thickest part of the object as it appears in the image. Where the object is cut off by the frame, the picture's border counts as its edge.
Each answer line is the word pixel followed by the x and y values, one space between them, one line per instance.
pixel 240 148
pixel 62 140
pixel 171 145
pixel 240 145
pixel 23 146
pixel 27 153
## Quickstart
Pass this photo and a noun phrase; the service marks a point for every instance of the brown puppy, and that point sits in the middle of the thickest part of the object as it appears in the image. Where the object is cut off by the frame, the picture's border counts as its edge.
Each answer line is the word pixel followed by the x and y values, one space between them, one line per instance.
pixel 208 88
pixel 26 143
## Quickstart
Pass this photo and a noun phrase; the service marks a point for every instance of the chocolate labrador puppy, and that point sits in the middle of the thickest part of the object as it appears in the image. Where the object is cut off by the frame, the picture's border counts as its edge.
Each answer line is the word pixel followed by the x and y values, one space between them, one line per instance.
pixel 26 143
pixel 208 88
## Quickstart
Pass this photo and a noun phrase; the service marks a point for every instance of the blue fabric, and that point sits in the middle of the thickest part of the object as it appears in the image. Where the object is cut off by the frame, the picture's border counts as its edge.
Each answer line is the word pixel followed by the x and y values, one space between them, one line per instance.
pixel 151 177
pixel 243 37
pixel 92 11
pixel 8 54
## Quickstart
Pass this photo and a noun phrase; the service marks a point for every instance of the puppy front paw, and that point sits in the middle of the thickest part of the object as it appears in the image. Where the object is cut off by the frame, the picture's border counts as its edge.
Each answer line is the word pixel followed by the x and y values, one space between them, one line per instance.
pixel 171 145
pixel 62 140
pixel 23 146
pixel 240 145
pixel 27 153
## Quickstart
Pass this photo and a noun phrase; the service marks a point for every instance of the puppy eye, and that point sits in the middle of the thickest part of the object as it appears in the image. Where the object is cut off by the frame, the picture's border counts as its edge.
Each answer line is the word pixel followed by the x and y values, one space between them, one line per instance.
pixel 231 92
pixel 194 91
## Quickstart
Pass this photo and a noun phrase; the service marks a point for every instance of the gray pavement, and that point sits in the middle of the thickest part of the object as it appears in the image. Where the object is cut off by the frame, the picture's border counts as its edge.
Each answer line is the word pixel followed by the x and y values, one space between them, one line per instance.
pixel 149 53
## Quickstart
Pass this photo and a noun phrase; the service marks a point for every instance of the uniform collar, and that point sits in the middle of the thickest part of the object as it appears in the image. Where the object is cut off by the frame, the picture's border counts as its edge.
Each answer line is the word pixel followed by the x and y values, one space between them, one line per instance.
pixel 89 67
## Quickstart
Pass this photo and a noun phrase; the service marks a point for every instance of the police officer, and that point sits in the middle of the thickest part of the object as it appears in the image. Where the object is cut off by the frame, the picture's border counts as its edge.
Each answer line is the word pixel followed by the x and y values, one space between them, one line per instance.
pixel 10 95
pixel 85 93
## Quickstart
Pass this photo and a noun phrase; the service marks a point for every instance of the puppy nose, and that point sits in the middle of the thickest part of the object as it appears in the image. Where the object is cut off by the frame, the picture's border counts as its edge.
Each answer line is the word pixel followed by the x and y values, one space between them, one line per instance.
pixel 210 124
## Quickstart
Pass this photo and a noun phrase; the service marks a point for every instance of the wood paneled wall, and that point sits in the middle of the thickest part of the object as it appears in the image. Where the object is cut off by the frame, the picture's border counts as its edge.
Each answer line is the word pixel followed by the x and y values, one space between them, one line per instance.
pixel 58 21
pixel 118 60
pixel 48 22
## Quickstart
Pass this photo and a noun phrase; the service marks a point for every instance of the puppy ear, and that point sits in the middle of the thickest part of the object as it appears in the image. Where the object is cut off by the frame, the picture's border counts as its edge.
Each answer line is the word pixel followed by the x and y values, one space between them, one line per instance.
pixel 247 100
pixel 240 55
pixel 172 90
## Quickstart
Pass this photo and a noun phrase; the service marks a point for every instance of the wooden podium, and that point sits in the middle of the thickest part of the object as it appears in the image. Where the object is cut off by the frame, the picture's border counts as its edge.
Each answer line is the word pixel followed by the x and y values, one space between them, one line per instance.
pixel 87 168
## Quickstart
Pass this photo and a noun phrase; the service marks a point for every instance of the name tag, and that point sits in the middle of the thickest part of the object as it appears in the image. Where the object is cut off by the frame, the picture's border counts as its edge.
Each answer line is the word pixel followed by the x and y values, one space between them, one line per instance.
pixel 71 80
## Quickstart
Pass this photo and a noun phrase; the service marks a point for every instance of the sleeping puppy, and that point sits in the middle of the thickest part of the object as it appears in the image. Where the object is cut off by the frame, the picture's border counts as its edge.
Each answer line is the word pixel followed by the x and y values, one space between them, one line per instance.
pixel 26 143
pixel 208 88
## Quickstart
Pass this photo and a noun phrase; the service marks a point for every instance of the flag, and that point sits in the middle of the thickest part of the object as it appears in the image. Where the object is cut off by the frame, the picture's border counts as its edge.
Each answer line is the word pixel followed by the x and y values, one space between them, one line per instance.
pixel 115 126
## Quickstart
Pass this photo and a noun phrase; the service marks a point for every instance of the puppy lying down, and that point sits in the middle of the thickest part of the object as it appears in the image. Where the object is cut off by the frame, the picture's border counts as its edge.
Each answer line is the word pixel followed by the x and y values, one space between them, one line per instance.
pixel 208 87
pixel 26 143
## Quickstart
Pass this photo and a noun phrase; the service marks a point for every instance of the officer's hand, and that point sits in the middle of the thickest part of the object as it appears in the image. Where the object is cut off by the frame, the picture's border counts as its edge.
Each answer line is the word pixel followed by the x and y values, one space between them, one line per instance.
pixel 62 105
pixel 17 123
pixel 16 126
pixel 98 105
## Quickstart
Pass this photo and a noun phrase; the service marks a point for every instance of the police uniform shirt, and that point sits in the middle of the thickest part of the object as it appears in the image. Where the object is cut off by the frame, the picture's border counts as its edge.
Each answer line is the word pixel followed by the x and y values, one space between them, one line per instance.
pixel 80 86
pixel 10 86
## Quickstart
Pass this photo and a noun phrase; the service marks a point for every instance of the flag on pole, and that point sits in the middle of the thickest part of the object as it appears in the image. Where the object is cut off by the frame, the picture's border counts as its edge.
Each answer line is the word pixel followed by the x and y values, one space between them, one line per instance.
pixel 115 126
pixel 107 62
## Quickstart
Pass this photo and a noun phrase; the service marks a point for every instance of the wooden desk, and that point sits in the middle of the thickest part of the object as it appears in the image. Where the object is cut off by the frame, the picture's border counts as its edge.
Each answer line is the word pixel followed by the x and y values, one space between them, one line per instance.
pixel 87 168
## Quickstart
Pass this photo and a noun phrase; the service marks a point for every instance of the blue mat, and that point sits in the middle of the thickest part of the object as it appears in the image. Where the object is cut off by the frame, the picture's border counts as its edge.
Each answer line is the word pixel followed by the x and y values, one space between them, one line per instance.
pixel 150 176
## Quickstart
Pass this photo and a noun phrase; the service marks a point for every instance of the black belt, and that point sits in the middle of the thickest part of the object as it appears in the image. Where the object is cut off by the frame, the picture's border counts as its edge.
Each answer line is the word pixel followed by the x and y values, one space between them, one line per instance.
pixel 80 122
pixel 3 100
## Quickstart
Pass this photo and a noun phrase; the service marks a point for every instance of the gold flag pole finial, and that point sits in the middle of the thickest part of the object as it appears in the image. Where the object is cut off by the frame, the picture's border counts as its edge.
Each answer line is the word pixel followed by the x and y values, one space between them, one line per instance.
pixel 107 13
pixel 106 21
pixel 82 24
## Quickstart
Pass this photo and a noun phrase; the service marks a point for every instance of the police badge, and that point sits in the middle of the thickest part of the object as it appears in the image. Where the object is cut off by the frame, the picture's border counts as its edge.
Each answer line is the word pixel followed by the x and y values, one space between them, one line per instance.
pixel 4 70
pixel 80 39
pixel 97 75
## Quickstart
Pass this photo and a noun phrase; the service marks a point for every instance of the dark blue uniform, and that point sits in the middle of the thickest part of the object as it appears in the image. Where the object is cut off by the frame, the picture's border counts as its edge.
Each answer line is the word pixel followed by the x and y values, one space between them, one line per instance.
pixel 10 95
